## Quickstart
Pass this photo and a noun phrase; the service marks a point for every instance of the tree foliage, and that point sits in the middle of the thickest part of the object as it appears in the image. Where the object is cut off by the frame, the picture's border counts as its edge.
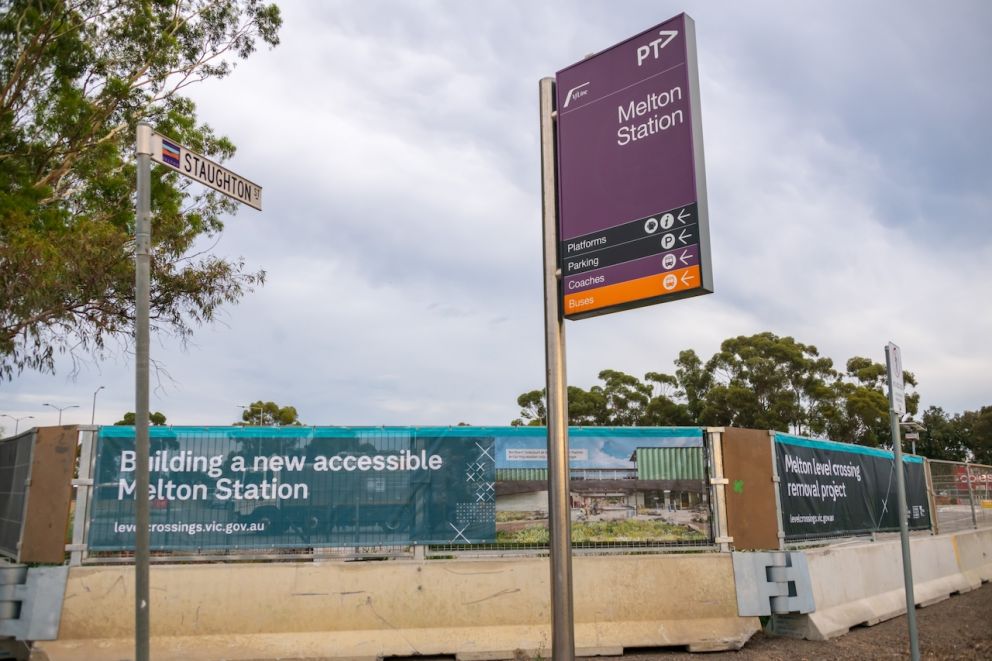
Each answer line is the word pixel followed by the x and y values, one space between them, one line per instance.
pixel 765 381
pixel 964 436
pixel 945 436
pixel 76 76
pixel 269 414
pixel 154 418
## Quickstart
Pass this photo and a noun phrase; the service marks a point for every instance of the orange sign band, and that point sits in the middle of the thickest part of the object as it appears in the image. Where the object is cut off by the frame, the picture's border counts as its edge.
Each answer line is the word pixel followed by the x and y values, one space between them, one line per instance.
pixel 632 290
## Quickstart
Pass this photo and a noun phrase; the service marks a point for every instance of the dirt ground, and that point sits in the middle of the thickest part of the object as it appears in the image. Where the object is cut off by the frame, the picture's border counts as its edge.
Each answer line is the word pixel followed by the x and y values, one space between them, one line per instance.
pixel 956 628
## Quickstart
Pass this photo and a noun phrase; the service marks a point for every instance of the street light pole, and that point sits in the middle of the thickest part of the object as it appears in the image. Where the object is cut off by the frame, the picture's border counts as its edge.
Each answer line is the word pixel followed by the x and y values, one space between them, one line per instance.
pixel 62 408
pixel 93 414
pixel 17 421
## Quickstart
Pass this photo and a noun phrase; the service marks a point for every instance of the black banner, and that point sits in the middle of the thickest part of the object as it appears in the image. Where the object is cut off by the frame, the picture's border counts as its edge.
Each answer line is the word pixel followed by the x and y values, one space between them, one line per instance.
pixel 835 489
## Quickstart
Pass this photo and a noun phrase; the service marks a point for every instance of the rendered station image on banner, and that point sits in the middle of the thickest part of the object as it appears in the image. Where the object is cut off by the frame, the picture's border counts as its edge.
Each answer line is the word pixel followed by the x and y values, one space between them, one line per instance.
pixel 626 485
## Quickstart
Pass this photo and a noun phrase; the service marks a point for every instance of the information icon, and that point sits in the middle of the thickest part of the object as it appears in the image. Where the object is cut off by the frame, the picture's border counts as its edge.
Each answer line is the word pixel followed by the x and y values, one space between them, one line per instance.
pixel 667 221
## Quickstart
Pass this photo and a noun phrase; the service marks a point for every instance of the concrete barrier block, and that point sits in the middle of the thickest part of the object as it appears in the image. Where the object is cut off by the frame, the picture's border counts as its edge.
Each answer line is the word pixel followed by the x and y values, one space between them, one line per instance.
pixel 863 584
pixel 485 608
pixel 973 551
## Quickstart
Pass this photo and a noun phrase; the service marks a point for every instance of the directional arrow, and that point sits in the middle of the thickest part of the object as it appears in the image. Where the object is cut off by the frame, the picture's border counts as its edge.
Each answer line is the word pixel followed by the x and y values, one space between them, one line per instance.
pixel 683 236
pixel 683 215
pixel 685 257
pixel 686 277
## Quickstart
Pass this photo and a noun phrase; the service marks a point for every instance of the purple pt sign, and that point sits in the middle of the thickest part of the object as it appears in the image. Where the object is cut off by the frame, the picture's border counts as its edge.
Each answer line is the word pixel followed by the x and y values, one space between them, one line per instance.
pixel 633 219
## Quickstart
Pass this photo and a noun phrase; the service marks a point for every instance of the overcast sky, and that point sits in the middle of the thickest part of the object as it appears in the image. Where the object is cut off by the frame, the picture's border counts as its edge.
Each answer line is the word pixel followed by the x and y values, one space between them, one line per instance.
pixel 849 169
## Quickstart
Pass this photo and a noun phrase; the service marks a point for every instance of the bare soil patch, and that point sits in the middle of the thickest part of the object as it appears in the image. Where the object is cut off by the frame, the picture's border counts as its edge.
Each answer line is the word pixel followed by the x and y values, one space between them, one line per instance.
pixel 956 628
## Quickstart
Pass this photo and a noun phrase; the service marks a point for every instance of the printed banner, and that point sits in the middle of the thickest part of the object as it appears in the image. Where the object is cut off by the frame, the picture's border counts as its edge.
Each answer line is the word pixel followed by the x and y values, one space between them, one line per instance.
pixel 237 487
pixel 834 489
pixel 256 487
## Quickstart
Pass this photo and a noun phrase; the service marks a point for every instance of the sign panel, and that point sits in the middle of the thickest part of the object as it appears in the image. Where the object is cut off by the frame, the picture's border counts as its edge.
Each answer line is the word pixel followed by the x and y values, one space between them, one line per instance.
pixel 897 387
pixel 633 220
pixel 834 489
pixel 200 168
pixel 979 477
pixel 237 487
pixel 260 488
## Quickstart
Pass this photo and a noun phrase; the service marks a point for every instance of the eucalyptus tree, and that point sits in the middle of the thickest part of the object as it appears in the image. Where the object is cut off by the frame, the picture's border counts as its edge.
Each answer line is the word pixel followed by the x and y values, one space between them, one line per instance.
pixel 269 414
pixel 76 76
pixel 862 412
pixel 768 382
pixel 156 418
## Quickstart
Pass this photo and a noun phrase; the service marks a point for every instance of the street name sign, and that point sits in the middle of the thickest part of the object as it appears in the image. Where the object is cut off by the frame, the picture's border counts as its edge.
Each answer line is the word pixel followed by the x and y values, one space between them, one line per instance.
pixel 633 221
pixel 200 168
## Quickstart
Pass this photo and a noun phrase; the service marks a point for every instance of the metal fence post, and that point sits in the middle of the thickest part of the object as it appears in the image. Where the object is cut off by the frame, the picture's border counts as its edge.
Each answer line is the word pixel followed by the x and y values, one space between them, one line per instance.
pixel 931 496
pixel 778 495
pixel 84 487
pixel 971 496
pixel 718 489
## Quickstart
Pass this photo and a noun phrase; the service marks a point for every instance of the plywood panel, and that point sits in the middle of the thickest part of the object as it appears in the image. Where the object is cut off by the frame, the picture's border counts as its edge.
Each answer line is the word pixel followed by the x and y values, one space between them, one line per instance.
pixel 752 519
pixel 49 495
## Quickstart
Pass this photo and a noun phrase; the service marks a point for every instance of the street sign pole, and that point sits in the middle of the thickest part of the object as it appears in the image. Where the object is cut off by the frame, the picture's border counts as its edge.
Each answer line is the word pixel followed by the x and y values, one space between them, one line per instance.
pixel 559 501
pixel 151 146
pixel 897 407
pixel 142 294
pixel 625 222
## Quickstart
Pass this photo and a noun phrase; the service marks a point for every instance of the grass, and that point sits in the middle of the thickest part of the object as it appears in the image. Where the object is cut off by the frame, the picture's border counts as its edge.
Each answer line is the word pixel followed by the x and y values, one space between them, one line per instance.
pixel 627 530
pixel 504 517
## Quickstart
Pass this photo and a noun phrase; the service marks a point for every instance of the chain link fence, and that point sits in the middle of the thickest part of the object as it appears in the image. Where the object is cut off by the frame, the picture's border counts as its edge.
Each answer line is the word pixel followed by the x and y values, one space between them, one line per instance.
pixel 15 466
pixel 962 494
pixel 661 500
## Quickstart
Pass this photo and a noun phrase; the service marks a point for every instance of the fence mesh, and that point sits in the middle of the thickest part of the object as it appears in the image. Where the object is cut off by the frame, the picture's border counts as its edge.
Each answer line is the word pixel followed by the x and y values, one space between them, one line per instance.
pixel 962 495
pixel 15 465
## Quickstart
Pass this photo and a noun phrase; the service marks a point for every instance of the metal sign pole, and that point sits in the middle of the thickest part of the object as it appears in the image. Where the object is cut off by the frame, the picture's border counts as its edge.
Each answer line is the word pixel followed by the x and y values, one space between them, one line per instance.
pixel 142 294
pixel 894 364
pixel 559 502
pixel 150 147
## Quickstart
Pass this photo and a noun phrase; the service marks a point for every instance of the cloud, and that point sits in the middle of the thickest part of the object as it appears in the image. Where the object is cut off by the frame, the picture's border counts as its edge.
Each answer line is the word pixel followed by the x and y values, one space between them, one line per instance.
pixel 847 169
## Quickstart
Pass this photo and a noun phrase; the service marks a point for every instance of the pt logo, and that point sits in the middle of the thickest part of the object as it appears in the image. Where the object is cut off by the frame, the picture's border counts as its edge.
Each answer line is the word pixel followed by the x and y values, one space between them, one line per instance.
pixel 654 48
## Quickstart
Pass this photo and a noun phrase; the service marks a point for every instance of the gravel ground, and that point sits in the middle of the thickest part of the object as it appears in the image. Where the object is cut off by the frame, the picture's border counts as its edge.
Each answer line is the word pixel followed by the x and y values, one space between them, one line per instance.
pixel 956 628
